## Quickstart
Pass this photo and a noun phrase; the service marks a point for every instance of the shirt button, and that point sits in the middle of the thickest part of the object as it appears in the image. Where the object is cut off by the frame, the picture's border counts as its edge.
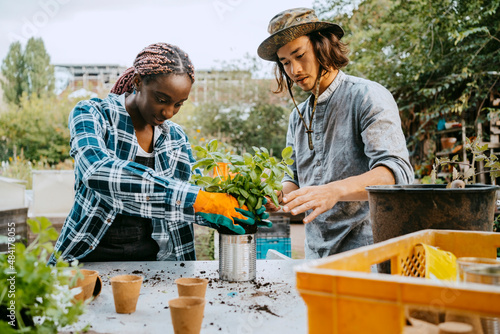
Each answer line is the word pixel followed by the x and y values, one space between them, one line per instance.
pixel 108 220
pixel 147 198
pixel 318 137
pixel 178 202
pixel 318 163
pixel 91 247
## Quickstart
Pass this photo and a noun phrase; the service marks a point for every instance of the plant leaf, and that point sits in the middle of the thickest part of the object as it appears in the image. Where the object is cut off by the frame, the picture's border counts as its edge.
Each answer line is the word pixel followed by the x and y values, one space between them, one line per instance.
pixel 34 225
pixel 212 145
pixel 287 153
pixel 244 193
pixel 469 173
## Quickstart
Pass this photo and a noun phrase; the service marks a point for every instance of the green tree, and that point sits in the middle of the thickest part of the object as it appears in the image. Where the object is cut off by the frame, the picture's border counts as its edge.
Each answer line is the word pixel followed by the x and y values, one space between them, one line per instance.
pixel 38 72
pixel 438 57
pixel 12 66
pixel 27 71
pixel 266 126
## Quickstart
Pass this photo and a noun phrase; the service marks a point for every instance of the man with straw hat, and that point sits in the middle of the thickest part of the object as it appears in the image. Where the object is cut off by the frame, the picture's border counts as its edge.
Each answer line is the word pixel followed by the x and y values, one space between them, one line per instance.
pixel 346 136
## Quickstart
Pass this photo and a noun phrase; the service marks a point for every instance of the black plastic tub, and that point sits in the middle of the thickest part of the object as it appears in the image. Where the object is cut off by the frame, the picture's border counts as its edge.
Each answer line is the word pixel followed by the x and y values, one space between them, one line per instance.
pixel 401 209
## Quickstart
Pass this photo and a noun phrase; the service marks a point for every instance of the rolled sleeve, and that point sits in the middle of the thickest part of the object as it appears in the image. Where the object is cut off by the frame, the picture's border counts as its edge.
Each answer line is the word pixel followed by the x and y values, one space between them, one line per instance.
pixel 385 144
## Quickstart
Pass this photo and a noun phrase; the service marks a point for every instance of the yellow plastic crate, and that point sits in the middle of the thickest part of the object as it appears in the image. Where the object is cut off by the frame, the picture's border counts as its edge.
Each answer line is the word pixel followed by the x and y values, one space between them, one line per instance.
pixel 343 295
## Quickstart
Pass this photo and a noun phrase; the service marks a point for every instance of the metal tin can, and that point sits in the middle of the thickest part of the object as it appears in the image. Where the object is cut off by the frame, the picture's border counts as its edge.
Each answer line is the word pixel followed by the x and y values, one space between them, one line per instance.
pixel 485 274
pixel 237 257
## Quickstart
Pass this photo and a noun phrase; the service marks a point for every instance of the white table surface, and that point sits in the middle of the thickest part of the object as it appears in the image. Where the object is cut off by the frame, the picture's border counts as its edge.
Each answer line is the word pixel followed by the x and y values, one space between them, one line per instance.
pixel 270 304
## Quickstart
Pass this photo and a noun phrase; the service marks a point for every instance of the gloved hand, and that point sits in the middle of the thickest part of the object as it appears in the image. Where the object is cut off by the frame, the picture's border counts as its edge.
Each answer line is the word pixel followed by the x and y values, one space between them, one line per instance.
pixel 261 216
pixel 223 210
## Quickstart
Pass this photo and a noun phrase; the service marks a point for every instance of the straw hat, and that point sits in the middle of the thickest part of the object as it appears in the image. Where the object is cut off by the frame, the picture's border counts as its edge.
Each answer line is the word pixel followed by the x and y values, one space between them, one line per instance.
pixel 289 25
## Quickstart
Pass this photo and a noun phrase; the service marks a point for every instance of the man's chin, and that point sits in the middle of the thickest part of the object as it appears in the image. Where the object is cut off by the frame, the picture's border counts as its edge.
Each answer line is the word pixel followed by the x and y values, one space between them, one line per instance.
pixel 305 88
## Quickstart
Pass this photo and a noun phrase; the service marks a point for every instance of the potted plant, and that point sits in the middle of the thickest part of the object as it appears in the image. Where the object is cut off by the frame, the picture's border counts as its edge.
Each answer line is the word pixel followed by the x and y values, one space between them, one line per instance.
pixel 249 178
pixel 459 205
pixel 35 297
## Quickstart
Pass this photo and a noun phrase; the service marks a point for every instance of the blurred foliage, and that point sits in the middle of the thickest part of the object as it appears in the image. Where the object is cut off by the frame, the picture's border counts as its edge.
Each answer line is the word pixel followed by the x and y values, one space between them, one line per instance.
pixel 438 57
pixel 241 114
pixel 38 127
pixel 27 71
pixel 204 243
pixel 257 125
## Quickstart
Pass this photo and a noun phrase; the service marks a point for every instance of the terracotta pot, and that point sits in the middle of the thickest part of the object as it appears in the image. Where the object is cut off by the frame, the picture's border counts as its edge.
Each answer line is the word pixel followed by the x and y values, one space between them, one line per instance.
pixel 452 327
pixel 447 142
pixel 191 287
pixel 126 289
pixel 187 314
pixel 87 283
pixel 97 287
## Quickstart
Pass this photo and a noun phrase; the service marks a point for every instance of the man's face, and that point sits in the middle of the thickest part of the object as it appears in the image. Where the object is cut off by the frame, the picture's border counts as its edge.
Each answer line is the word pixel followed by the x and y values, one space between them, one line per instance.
pixel 300 63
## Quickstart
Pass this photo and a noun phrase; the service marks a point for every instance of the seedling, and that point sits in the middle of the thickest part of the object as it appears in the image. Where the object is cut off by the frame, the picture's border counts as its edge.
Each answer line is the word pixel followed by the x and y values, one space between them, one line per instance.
pixel 459 179
pixel 250 177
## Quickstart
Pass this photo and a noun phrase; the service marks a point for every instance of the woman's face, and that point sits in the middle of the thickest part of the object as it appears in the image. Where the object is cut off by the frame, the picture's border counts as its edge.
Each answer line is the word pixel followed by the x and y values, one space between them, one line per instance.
pixel 161 98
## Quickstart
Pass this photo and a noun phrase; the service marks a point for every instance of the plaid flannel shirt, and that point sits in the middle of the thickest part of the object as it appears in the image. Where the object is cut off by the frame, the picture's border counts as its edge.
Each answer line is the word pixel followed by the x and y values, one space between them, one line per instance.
pixel 108 181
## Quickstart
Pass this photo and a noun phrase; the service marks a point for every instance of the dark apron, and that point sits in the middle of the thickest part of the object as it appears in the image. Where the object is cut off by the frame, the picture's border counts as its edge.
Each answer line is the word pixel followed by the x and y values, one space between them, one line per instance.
pixel 128 238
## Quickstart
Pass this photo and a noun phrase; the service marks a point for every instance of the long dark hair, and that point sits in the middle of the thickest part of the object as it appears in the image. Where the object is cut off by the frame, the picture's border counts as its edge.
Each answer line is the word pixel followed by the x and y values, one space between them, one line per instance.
pixel 329 50
pixel 153 60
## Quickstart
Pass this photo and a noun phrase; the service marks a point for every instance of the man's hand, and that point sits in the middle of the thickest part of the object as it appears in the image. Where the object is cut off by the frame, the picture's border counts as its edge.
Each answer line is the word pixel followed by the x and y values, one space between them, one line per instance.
pixel 317 198
pixel 322 198
pixel 269 202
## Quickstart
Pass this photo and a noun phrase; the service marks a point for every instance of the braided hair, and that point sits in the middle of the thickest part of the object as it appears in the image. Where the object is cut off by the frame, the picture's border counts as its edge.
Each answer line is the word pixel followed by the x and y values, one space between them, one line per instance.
pixel 155 59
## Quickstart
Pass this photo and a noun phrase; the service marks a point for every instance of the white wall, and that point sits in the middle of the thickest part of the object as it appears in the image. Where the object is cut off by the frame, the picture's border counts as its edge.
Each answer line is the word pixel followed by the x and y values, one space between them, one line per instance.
pixel 53 193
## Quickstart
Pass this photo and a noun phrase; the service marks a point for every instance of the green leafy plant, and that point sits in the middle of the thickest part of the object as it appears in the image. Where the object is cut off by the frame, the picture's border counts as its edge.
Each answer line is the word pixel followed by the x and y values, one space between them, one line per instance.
pixel 35 297
pixel 250 177
pixel 469 176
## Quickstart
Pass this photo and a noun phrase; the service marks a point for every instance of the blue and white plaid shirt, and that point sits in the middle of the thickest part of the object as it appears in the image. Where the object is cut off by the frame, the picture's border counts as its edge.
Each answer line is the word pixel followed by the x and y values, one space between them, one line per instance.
pixel 109 182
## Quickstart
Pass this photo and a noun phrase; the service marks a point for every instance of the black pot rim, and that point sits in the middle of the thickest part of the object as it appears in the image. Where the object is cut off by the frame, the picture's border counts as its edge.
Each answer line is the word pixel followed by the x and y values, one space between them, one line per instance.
pixel 431 187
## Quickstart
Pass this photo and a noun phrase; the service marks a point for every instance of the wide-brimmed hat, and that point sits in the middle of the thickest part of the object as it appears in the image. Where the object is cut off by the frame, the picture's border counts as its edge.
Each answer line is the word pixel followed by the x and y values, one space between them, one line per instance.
pixel 289 25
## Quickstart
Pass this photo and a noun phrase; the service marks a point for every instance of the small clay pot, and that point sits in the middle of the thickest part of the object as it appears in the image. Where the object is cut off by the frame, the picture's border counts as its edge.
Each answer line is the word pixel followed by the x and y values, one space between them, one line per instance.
pixel 126 289
pixel 97 287
pixel 87 283
pixel 191 286
pixel 452 327
pixel 448 142
pixel 187 314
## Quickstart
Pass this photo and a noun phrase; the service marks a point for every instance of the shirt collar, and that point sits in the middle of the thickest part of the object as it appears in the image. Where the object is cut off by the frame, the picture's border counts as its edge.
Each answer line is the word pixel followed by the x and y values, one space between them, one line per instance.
pixel 333 86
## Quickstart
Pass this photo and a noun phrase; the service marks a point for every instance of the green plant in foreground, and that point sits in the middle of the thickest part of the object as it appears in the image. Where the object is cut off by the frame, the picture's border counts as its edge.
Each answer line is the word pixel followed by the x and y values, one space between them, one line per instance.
pixel 35 297
pixel 477 151
pixel 251 177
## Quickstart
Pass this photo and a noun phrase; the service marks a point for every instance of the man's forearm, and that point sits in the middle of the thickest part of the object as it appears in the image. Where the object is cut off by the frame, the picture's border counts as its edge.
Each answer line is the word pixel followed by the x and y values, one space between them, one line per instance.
pixel 353 188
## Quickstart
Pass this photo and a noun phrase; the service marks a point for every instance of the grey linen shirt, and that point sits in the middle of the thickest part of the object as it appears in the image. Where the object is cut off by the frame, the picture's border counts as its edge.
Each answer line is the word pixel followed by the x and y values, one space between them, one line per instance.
pixel 356 127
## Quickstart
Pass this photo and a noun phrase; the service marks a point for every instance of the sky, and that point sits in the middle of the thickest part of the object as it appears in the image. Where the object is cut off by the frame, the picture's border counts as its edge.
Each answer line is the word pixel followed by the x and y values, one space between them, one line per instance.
pixel 114 31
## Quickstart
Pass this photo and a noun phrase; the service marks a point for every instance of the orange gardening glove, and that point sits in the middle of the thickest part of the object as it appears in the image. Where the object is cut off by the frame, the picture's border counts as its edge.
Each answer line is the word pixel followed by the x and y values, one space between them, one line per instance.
pixel 221 209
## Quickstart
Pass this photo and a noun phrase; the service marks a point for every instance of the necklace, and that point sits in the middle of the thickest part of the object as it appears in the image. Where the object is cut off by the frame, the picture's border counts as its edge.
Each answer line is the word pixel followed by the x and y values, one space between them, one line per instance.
pixel 309 130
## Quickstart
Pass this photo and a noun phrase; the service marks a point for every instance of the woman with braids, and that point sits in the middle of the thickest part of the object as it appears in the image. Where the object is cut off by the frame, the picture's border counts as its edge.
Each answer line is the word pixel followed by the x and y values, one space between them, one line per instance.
pixel 133 201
